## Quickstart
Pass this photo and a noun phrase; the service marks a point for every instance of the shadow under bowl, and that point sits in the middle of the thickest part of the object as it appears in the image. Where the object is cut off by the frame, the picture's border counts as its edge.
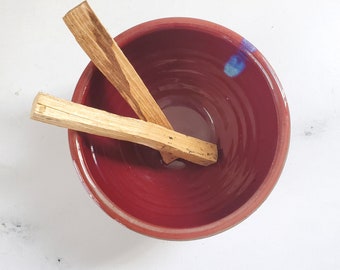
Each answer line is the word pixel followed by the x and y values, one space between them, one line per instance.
pixel 212 84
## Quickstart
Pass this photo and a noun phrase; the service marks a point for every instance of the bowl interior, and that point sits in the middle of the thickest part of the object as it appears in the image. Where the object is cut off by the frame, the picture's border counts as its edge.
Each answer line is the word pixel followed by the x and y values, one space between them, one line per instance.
pixel 210 86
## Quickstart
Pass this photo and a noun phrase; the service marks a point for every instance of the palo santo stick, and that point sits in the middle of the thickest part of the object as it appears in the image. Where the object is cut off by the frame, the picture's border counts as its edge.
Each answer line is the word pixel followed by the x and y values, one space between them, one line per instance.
pixel 111 61
pixel 67 114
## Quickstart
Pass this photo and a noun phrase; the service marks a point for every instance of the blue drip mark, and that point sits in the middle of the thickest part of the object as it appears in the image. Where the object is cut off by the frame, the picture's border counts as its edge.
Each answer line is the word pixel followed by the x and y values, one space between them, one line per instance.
pixel 237 62
pixel 235 65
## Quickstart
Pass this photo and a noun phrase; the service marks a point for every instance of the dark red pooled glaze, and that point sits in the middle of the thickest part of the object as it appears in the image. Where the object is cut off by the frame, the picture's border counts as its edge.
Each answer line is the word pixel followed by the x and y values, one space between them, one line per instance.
pixel 212 84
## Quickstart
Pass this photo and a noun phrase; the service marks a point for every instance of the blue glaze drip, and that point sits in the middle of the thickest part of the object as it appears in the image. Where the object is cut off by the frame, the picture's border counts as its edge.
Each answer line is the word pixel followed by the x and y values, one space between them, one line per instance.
pixel 235 65
pixel 237 62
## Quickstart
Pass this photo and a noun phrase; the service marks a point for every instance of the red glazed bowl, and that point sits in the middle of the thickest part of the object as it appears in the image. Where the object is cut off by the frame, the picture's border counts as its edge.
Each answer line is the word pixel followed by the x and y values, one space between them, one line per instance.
pixel 212 84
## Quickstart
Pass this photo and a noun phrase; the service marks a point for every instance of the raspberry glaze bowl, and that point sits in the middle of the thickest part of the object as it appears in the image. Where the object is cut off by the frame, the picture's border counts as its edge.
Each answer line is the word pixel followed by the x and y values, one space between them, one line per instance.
pixel 212 84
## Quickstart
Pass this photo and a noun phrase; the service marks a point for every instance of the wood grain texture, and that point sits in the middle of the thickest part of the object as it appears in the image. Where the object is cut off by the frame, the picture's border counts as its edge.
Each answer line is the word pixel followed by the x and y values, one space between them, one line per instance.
pixel 111 61
pixel 67 114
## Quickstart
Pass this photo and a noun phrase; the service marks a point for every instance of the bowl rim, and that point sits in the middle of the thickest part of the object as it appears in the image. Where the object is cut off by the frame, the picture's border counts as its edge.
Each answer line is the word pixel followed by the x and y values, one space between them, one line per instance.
pixel 260 195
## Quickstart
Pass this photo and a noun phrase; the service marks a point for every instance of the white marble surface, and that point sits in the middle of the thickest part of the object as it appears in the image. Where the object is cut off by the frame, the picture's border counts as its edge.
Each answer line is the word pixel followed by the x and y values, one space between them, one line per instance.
pixel 47 220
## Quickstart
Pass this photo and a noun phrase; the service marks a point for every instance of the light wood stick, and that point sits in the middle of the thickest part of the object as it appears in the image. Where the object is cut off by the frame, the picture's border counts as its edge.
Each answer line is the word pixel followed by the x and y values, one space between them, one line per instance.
pixel 67 114
pixel 111 61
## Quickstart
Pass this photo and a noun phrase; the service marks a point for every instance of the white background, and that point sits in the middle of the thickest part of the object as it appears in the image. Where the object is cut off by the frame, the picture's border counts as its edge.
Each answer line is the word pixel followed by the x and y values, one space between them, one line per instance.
pixel 47 220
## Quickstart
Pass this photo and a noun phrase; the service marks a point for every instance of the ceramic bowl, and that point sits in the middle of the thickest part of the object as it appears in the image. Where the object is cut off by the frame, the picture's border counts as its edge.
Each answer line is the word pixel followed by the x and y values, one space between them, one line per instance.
pixel 212 84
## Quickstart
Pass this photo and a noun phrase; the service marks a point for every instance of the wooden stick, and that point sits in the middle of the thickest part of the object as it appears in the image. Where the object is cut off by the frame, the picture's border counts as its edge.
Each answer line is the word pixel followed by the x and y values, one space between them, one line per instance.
pixel 111 61
pixel 67 114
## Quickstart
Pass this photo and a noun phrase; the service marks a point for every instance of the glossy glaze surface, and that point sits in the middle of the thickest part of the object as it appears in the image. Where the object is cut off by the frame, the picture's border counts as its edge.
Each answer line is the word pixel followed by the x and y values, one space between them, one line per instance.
pixel 212 84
